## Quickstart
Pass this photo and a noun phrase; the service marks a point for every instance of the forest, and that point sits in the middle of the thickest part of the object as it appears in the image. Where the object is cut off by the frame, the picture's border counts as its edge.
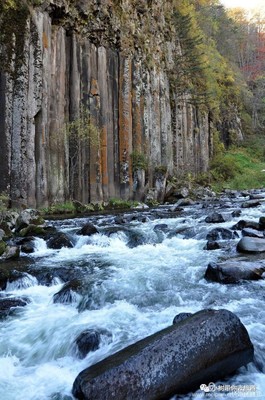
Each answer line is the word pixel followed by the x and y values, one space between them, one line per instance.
pixel 223 60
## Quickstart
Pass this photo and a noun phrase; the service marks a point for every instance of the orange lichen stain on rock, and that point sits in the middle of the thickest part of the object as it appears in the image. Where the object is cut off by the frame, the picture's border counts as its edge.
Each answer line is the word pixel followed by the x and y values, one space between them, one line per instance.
pixel 94 159
pixel 94 90
pixel 137 124
pixel 45 40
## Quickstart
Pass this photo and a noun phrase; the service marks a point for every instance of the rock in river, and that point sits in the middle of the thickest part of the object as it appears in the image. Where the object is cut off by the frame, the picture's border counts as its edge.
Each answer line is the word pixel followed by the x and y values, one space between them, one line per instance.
pixel 87 230
pixel 59 240
pixel 69 292
pixel 9 305
pixel 251 245
pixel 204 347
pixel 221 234
pixel 215 218
pixel 87 341
pixel 234 271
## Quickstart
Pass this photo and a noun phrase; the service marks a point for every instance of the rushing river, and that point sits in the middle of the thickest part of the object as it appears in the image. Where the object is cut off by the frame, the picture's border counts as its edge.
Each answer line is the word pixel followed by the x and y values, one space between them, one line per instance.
pixel 132 291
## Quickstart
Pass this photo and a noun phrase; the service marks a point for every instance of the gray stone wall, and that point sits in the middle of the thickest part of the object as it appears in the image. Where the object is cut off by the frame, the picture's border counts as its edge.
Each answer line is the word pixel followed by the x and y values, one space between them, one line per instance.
pixel 129 102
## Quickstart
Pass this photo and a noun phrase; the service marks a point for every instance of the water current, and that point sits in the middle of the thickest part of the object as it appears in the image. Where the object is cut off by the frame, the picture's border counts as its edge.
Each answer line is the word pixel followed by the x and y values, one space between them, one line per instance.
pixel 137 279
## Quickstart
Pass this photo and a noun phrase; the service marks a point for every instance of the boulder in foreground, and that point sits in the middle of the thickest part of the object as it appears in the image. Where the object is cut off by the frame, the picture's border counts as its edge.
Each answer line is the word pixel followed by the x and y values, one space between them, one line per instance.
pixel 204 347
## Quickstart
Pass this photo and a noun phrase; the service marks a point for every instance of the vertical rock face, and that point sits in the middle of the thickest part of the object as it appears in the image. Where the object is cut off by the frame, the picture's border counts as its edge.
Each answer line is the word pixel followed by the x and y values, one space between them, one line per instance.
pixel 85 72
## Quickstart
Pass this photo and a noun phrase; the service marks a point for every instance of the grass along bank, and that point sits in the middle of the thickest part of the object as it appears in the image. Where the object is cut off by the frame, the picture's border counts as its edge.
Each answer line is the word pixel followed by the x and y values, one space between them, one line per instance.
pixel 240 167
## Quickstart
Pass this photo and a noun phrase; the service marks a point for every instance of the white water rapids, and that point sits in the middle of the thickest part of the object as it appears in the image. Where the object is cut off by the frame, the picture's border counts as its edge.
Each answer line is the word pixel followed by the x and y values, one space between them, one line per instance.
pixel 134 292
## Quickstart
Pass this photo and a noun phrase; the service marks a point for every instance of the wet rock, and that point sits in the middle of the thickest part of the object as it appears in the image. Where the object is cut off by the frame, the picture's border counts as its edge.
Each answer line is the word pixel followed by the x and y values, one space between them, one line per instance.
pixel 177 210
pixel 140 206
pixel 9 305
pixel 13 269
pixel 262 223
pixel 225 199
pixel 140 218
pixel 181 193
pixel 212 245
pixel 184 353
pixel 215 218
pixel 135 239
pixel 184 203
pixel 252 233
pixel 121 219
pixel 11 252
pixel 231 193
pixel 245 224
pixel 32 230
pixel 112 230
pixel 2 234
pixel 87 230
pixel 17 270
pixel 221 234
pixel 9 218
pixel 250 204
pixel 236 213
pixel 49 232
pixel 227 204
pixel 69 292
pixel 187 233
pixel 256 196
pixel 181 317
pixel 234 271
pixel 28 247
pixel 6 228
pixel 244 193
pixel 58 241
pixel 26 244
pixel 47 275
pixel 161 227
pixel 86 342
pixel 251 245
pixel 28 217
pixel 204 193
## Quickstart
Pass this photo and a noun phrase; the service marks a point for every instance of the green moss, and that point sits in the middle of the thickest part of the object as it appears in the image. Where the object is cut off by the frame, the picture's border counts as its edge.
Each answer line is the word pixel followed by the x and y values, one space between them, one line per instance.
pixel 121 204
pixel 161 169
pixel 4 225
pixel 32 230
pixel 139 161
pixel 59 208
pixel 2 247
pixel 4 201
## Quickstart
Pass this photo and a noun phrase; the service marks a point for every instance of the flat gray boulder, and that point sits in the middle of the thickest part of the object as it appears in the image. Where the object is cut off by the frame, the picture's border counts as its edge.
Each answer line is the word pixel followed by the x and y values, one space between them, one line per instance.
pixel 234 271
pixel 202 348
pixel 251 245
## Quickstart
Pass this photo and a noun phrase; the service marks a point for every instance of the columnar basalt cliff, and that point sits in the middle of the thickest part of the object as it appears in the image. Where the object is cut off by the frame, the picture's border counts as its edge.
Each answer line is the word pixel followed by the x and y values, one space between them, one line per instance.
pixel 104 62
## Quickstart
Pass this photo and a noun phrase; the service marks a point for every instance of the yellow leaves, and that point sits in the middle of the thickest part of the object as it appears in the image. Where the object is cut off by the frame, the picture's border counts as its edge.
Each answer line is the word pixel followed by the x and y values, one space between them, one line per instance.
pixel 9 4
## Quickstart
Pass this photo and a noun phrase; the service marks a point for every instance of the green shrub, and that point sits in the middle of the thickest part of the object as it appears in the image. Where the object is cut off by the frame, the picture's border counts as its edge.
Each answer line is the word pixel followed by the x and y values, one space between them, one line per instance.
pixel 4 201
pixel 240 168
pixel 224 167
pixel 139 161
pixel 59 208
pixel 120 203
